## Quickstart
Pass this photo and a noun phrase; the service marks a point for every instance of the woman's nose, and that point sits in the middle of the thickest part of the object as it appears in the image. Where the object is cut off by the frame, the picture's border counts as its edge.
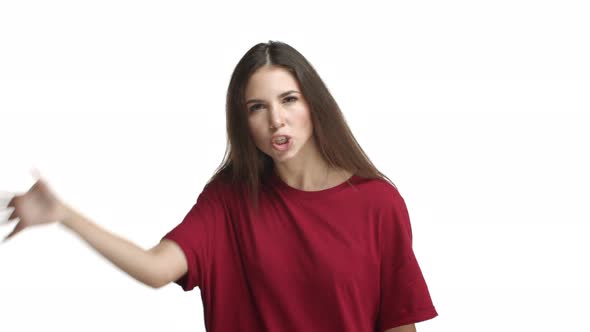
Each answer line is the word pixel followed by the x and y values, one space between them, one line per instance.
pixel 276 117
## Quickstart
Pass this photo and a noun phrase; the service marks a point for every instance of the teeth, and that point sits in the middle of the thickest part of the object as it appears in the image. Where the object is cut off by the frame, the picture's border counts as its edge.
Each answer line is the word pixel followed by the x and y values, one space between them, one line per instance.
pixel 280 140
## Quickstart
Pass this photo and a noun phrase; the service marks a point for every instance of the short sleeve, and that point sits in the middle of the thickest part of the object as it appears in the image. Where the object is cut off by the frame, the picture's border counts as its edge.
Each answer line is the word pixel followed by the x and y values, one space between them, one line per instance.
pixel 405 298
pixel 195 236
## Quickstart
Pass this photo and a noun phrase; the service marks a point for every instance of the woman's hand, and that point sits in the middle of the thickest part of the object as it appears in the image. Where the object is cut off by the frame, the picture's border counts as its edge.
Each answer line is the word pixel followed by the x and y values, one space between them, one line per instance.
pixel 39 205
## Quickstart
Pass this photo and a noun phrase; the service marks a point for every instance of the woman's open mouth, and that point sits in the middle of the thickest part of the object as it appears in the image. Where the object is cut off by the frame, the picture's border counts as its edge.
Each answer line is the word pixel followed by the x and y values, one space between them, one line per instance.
pixel 282 145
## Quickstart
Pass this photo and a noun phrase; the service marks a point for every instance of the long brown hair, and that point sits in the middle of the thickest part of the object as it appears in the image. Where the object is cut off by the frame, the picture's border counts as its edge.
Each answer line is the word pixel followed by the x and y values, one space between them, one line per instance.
pixel 244 164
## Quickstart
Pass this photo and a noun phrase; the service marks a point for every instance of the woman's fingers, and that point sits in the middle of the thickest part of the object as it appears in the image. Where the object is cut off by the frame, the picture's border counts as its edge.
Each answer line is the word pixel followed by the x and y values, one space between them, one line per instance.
pixel 5 206
pixel 10 203
pixel 10 200
pixel 6 220
pixel 13 215
pixel 5 198
pixel 19 227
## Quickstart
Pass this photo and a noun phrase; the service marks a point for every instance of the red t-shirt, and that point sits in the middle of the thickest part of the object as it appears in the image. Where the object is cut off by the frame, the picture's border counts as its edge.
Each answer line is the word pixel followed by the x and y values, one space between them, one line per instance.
pixel 339 259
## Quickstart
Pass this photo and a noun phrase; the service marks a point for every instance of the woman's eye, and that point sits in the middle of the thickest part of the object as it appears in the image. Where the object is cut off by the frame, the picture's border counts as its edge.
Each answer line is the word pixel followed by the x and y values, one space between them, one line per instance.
pixel 287 99
pixel 255 107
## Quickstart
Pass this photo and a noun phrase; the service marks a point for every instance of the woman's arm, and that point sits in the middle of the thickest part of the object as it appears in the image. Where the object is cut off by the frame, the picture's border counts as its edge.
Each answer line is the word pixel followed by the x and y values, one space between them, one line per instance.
pixel 155 267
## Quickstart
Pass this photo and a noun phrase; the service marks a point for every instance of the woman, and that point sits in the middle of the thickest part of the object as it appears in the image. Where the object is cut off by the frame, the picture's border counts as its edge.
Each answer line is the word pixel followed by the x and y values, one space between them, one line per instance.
pixel 296 230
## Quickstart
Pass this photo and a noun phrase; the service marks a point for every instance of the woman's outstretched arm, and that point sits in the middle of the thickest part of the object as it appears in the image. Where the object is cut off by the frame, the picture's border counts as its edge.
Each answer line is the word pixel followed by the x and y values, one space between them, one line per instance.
pixel 156 267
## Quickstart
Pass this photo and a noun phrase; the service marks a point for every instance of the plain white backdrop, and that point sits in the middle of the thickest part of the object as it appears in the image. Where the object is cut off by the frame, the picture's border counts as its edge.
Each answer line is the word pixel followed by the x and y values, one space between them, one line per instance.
pixel 478 112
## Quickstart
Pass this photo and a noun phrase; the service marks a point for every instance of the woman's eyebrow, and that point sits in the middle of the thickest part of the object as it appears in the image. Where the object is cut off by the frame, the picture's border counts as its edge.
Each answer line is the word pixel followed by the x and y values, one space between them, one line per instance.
pixel 280 96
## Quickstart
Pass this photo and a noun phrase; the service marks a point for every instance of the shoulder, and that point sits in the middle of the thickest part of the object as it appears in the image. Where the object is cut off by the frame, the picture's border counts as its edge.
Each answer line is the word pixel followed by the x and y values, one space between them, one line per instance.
pixel 213 191
pixel 221 191
pixel 378 190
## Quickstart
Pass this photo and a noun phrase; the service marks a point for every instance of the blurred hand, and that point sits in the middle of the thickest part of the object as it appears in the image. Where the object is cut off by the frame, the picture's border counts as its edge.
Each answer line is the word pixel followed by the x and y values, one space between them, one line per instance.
pixel 39 205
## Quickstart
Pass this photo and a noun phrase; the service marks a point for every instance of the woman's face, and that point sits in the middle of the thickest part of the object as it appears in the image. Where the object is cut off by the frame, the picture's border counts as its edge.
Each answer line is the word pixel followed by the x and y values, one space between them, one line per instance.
pixel 276 106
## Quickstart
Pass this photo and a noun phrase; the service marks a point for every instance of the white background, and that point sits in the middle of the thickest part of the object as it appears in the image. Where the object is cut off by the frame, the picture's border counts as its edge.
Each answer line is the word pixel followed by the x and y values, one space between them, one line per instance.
pixel 478 111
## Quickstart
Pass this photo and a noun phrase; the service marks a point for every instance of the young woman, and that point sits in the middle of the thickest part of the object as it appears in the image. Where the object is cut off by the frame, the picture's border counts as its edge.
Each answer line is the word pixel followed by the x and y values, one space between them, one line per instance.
pixel 296 231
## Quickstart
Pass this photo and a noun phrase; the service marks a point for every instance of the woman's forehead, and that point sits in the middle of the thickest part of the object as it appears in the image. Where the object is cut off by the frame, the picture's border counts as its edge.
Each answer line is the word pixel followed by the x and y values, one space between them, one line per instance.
pixel 270 82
